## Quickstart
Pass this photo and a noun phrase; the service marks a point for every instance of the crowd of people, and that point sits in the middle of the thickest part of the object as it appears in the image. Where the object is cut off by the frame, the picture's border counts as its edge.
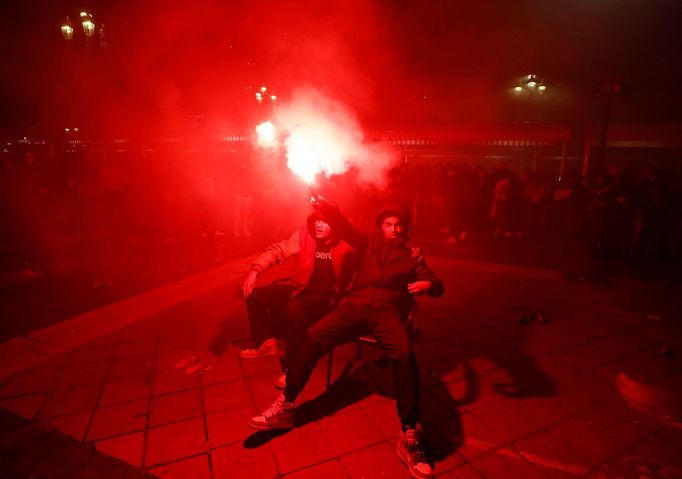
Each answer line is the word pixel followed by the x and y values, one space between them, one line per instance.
pixel 89 193
pixel 624 214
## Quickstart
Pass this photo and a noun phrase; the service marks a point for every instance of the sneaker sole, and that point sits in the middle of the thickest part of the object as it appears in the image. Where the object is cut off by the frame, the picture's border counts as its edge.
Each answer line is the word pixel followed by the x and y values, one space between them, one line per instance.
pixel 256 356
pixel 267 427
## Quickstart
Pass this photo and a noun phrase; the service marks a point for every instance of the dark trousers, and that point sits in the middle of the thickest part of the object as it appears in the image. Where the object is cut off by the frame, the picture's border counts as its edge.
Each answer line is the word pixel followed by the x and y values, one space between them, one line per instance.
pixel 348 322
pixel 273 312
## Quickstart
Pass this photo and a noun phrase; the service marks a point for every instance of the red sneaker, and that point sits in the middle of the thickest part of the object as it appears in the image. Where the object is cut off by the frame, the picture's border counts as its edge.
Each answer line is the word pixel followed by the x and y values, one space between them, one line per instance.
pixel 278 416
pixel 267 348
pixel 411 453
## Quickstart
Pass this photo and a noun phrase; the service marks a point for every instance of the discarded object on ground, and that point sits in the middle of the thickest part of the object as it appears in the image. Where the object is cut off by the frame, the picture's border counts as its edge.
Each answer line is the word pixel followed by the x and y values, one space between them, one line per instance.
pixel 534 318
pixel 194 364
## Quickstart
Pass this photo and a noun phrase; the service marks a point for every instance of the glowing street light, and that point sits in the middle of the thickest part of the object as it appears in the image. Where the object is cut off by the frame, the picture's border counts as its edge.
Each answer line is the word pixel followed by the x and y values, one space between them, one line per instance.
pixel 88 24
pixel 530 84
pixel 89 28
pixel 67 29
pixel 262 93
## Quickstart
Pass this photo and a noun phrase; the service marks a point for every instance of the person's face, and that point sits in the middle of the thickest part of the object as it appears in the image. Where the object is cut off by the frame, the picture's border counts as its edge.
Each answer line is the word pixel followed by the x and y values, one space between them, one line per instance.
pixel 322 229
pixel 392 227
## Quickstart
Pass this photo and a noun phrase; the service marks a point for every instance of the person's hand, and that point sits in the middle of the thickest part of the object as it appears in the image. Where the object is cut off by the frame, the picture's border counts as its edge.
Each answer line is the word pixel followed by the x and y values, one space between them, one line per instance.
pixel 319 202
pixel 417 253
pixel 419 287
pixel 249 283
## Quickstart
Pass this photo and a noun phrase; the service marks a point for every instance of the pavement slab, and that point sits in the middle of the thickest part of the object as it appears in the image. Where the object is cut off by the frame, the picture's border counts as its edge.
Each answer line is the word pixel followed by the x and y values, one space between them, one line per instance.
pixel 508 463
pixel 238 462
pixel 195 467
pixel 118 419
pixel 379 461
pixel 175 407
pixel 330 470
pixel 175 441
pixel 127 447
pixel 228 426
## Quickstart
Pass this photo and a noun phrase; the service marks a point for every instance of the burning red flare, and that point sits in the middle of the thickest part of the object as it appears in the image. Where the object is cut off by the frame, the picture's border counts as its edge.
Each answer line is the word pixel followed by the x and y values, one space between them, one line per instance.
pixel 266 135
pixel 323 137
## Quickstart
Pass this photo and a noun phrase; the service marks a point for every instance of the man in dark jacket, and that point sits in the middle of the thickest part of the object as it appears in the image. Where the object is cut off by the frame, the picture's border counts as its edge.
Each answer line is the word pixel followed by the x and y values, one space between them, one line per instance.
pixel 379 301
pixel 323 268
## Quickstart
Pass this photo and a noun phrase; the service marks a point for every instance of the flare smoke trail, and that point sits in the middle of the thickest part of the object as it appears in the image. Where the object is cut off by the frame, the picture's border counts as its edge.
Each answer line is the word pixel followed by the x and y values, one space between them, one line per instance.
pixel 321 136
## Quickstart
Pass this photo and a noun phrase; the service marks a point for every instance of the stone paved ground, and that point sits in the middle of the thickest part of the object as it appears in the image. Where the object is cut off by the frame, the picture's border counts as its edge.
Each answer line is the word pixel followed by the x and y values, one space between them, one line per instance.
pixel 525 374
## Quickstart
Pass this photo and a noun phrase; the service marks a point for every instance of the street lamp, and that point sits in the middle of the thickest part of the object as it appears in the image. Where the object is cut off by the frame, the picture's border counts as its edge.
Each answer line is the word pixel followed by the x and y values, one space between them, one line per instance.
pixel 88 24
pixel 262 93
pixel 527 89
pixel 67 29
pixel 89 27
pixel 531 85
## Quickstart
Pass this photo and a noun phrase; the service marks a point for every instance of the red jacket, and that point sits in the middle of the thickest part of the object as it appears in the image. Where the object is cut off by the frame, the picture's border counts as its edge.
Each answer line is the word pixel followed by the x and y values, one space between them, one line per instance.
pixel 301 245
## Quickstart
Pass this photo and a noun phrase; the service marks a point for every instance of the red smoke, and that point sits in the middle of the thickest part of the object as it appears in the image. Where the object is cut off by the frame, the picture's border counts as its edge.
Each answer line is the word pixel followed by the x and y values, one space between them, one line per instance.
pixel 321 136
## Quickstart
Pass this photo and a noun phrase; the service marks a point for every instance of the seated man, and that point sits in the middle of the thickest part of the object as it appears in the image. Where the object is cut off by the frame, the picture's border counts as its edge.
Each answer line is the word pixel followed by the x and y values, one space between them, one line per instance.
pixel 379 301
pixel 323 268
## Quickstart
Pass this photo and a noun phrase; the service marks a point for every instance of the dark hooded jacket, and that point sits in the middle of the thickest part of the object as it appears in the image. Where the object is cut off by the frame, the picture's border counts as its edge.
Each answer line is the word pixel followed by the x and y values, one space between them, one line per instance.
pixel 387 265
pixel 302 245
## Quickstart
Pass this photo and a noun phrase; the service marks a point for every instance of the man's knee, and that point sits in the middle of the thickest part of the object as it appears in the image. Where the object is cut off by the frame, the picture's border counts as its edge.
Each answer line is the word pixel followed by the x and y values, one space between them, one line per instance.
pixel 314 333
pixel 400 352
pixel 319 334
pixel 311 348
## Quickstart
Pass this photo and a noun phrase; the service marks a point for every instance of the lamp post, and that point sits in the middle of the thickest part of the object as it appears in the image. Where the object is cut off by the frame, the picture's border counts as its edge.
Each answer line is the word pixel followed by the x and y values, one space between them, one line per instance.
pixel 530 85
pixel 88 24
pixel 89 28
pixel 67 29
pixel 83 51
pixel 262 94
pixel 606 87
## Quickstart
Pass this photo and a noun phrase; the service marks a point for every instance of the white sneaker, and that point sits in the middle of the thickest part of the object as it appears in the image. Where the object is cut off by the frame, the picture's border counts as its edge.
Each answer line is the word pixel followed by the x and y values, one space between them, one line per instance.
pixel 278 416
pixel 266 348
pixel 412 454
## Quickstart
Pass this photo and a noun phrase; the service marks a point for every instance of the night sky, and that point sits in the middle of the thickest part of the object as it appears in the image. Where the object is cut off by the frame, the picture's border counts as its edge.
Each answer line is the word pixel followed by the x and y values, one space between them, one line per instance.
pixel 408 62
